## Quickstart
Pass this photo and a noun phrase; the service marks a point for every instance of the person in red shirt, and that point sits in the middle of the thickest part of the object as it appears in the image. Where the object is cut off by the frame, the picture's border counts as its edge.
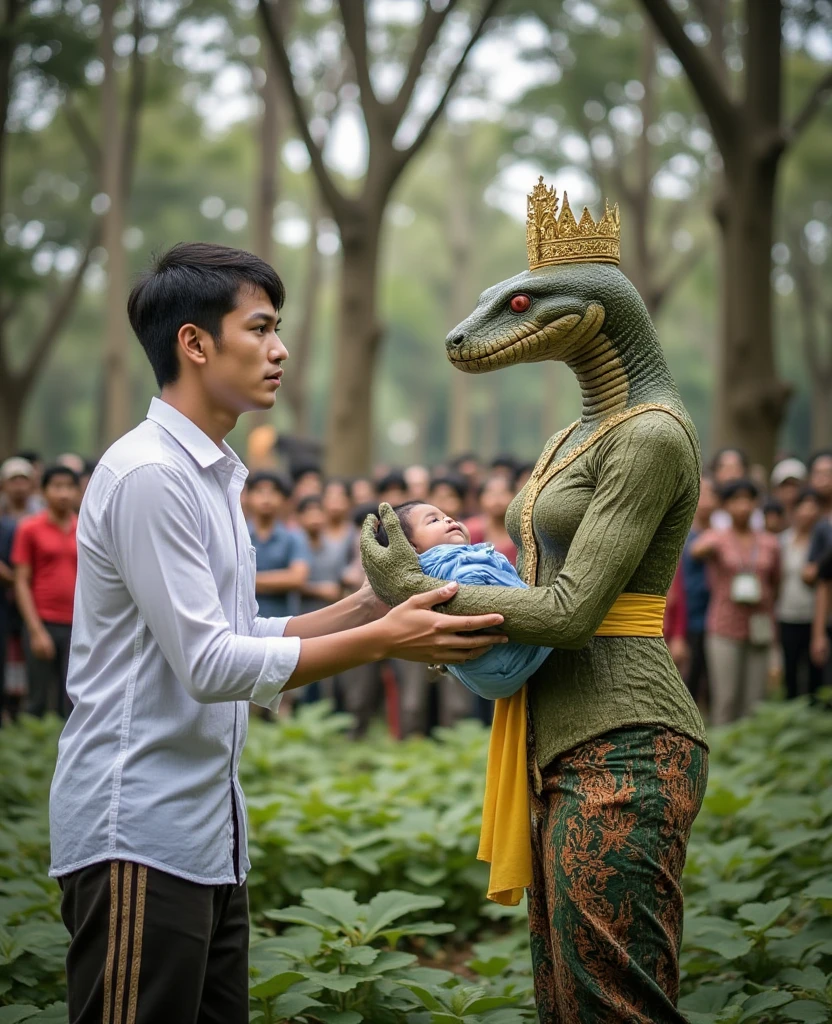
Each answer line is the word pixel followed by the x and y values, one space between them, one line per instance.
pixel 45 560
pixel 496 495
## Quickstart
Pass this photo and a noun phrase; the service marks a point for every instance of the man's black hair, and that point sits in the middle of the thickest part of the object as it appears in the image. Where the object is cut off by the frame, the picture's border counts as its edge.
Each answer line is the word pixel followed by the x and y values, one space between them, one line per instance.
pixel 404 512
pixel 504 462
pixel 735 487
pixel 808 494
pixel 51 472
pixel 457 460
pixel 457 483
pixel 360 512
pixel 300 469
pixel 715 461
pixel 30 455
pixel 277 480
pixel 193 283
pixel 306 501
pixel 395 478
pixel 773 505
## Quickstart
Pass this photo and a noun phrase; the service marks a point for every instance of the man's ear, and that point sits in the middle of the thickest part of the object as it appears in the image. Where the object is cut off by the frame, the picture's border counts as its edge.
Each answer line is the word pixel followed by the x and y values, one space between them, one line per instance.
pixel 193 342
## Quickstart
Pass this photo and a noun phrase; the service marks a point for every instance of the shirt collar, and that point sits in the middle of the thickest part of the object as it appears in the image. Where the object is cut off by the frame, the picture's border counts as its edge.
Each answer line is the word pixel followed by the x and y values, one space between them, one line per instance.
pixel 195 441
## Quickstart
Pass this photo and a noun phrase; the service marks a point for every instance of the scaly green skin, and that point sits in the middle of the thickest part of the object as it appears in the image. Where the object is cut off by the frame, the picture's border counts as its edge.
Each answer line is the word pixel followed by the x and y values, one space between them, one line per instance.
pixel 615 520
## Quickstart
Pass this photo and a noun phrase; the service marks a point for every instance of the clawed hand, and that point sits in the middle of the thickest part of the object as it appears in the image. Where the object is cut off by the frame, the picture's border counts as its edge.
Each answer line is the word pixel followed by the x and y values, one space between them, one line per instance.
pixel 394 572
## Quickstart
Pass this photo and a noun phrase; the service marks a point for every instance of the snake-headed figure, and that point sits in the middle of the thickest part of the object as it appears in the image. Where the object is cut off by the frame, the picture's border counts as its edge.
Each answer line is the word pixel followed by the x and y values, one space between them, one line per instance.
pixel 597 827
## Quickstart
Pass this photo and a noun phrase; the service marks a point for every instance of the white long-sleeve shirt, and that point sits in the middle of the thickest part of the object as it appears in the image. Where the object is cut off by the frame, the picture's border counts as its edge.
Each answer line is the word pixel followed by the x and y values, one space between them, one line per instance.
pixel 167 651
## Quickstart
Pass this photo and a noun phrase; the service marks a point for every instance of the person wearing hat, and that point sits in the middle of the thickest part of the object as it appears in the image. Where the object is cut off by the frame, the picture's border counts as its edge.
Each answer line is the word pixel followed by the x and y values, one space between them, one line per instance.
pixel 788 479
pixel 17 488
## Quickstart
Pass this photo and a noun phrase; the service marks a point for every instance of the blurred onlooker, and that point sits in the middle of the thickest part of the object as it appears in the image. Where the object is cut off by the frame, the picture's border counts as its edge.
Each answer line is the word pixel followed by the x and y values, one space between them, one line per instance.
pixel 7 531
pixel 774 516
pixel 524 471
pixel 363 491
pixel 467 468
pixel 89 469
pixel 796 601
pixel 74 461
pixel 821 631
pixel 820 478
pixel 45 559
pixel 417 479
pixel 675 627
pixel 787 480
pixel 337 504
pixel 17 488
pixel 307 478
pixel 392 488
pixel 698 593
pixel 744 573
pixel 505 466
pixel 447 493
pixel 496 495
pixel 327 560
pixel 729 464
pixel 282 566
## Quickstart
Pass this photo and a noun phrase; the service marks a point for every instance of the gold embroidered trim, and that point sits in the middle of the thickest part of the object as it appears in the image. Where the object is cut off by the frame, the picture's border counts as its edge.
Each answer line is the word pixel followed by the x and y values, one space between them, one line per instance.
pixel 545 471
pixel 111 943
pixel 136 960
pixel 121 974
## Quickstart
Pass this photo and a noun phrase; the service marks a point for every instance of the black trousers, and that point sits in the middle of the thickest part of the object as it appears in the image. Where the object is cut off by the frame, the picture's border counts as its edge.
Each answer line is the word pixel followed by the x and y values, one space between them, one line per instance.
pixel 795 639
pixel 147 947
pixel 697 676
pixel 47 679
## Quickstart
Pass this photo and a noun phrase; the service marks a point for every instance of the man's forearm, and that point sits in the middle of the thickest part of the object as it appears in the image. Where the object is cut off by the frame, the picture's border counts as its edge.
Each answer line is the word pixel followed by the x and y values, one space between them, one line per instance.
pixel 324 656
pixel 358 609
pixel 278 581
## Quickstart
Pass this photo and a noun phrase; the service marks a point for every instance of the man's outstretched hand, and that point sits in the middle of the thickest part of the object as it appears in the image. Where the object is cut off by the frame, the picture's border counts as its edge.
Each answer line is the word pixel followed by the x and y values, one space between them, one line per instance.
pixel 394 572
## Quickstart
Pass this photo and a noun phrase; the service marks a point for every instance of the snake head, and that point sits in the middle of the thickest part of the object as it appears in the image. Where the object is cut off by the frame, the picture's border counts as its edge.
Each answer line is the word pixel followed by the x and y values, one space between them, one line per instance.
pixel 541 314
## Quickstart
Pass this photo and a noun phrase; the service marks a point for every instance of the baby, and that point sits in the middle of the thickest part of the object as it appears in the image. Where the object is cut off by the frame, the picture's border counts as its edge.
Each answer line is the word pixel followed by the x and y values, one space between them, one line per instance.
pixel 445 551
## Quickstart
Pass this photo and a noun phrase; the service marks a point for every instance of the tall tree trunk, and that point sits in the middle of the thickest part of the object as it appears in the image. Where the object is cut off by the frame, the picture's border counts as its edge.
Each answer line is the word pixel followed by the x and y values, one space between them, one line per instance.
pixel 302 344
pixel 267 184
pixel 118 418
pixel 460 240
pixel 821 412
pixel 358 336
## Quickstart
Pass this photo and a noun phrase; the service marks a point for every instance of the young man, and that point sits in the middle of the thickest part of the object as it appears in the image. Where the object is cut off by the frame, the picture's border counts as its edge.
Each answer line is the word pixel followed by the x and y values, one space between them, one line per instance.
pixel 45 560
pixel 281 555
pixel 147 816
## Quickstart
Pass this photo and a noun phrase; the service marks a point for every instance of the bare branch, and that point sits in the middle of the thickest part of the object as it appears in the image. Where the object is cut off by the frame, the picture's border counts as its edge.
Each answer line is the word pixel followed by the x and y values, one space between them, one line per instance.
pixel 489 8
pixel 275 35
pixel 355 31
pixel 683 267
pixel 57 315
pixel 717 104
pixel 428 31
pixel 816 99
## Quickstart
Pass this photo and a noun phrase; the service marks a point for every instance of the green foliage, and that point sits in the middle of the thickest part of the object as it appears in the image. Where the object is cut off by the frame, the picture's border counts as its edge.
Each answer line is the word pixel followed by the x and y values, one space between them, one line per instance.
pixel 367 901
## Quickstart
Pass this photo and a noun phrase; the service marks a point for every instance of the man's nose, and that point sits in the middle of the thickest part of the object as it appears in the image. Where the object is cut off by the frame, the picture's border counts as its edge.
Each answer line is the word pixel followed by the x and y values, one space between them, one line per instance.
pixel 279 352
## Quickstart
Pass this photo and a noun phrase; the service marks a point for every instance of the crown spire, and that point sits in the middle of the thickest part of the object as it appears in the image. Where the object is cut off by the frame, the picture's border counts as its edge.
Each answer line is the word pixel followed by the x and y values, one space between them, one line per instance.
pixel 551 239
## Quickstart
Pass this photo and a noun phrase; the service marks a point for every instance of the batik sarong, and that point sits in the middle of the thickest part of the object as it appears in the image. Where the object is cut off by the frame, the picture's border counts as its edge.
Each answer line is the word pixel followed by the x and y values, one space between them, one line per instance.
pixel 610 829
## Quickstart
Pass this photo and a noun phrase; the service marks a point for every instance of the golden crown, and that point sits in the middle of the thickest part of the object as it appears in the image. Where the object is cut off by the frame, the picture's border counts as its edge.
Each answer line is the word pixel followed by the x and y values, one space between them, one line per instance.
pixel 551 239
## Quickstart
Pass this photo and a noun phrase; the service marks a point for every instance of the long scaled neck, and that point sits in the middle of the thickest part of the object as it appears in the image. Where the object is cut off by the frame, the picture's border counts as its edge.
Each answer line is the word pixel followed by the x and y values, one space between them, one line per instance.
pixel 616 374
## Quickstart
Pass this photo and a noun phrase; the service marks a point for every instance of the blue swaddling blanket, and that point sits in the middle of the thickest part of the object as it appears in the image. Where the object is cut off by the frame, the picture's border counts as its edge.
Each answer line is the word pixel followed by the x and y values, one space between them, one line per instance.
pixel 503 670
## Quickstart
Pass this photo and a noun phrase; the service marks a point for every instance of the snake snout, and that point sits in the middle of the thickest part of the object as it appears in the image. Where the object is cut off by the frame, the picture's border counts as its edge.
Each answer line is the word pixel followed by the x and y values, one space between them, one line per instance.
pixel 455 339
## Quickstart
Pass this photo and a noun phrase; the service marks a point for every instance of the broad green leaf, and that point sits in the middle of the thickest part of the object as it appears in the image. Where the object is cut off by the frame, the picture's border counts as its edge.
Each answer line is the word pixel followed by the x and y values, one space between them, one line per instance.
pixel 809 979
pixel 809 1011
pixel 387 907
pixel 341 906
pixel 276 985
pixel 489 968
pixel 12 1014
pixel 763 915
pixel 301 915
pixel 360 955
pixel 333 981
pixel 289 1005
pixel 55 1013
pixel 819 889
pixel 484 1003
pixel 427 997
pixel 756 1005
pixel 327 1016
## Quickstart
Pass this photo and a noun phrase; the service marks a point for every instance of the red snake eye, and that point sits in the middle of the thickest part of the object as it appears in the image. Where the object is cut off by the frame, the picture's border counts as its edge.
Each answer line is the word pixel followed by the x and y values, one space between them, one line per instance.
pixel 520 303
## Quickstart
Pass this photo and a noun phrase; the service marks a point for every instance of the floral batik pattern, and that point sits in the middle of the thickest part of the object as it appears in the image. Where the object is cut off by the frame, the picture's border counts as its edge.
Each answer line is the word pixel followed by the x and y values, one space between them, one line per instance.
pixel 610 829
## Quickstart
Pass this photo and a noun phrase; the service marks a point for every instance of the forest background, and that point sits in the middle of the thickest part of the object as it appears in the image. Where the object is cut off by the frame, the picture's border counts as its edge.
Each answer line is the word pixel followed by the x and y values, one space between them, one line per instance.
pixel 379 154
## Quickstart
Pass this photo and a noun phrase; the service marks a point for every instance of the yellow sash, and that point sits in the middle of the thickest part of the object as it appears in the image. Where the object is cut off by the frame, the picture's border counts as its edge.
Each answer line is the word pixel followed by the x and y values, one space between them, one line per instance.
pixel 505 838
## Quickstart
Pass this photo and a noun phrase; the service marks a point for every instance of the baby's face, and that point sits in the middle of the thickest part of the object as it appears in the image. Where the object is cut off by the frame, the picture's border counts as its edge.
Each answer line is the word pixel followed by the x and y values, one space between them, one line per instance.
pixel 429 527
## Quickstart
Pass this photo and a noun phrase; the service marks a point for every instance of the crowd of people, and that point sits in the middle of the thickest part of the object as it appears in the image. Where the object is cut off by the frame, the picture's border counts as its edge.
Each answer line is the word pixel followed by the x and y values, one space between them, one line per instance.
pixel 748 612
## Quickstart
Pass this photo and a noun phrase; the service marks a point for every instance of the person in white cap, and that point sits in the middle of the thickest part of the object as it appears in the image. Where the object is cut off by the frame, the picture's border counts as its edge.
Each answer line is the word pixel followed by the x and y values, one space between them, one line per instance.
pixel 787 481
pixel 17 488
